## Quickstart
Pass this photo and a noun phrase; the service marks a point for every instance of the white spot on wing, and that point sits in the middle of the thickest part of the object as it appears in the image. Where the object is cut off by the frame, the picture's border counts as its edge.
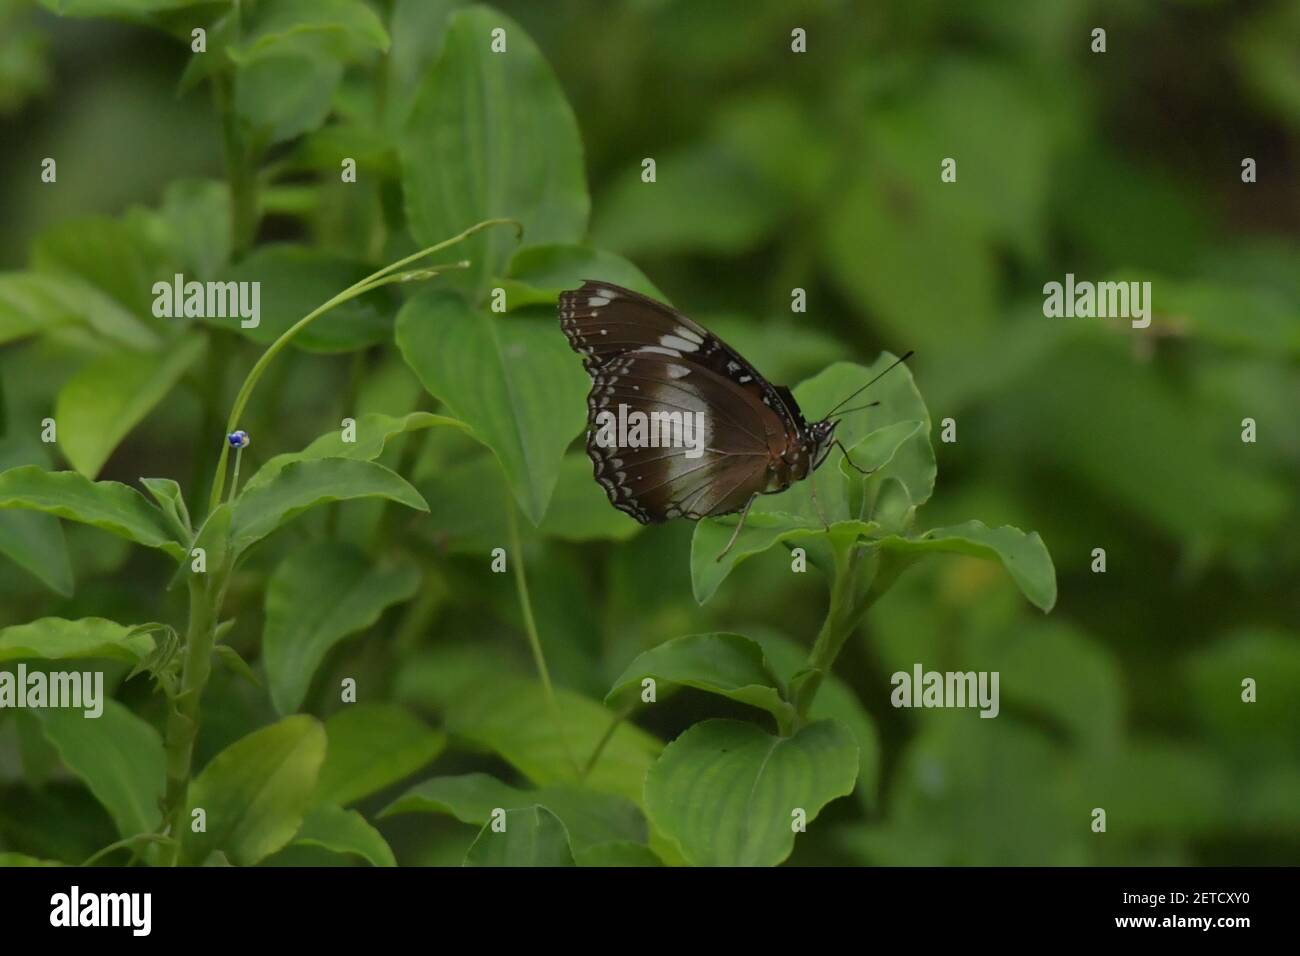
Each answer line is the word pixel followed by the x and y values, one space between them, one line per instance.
pixel 673 342
pixel 597 300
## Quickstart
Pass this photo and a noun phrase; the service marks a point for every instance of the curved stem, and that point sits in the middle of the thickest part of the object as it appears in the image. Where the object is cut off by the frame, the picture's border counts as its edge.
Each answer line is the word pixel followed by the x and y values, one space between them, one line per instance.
pixel 351 292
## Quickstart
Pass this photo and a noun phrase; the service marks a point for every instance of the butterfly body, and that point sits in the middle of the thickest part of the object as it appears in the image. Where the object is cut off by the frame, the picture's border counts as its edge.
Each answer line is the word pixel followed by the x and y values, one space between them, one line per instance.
pixel 739 435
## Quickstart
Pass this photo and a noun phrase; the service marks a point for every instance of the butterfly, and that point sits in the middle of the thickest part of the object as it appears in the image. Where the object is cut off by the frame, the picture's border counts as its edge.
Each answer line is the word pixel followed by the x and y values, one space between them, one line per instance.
pixel 680 425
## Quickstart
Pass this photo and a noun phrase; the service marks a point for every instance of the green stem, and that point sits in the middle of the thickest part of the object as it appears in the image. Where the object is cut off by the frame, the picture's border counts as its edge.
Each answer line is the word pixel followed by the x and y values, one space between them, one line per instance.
pixel 183 717
pixel 276 347
pixel 516 558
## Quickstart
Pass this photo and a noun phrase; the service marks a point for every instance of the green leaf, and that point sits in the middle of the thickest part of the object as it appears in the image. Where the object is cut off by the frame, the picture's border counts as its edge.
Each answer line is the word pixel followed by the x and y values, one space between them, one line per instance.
pixel 56 638
pixel 317 596
pixel 579 509
pixel 169 497
pixel 286 95
pixel 108 505
pixel 120 758
pixel 511 717
pixel 114 8
pixel 1023 555
pixel 491 135
pixel 232 661
pixel 510 378
pixel 533 836
pixel 305 484
pixel 342 29
pixel 729 665
pixel 538 274
pixel 32 303
pixel 617 853
pixel 344 831
pixel 33 541
pixel 194 221
pixel 373 746
pixel 257 791
pixel 726 791
pixel 590 818
pixel 373 432
pixel 99 406
pixel 21 859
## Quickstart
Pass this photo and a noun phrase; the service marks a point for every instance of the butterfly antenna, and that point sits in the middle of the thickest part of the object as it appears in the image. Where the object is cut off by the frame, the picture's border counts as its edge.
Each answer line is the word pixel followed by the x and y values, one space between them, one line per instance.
pixel 897 362
pixel 858 409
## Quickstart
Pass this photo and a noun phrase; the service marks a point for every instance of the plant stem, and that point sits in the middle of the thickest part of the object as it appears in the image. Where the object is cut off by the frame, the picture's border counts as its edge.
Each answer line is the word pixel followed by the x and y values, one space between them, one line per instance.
pixel 530 624
pixel 183 718
pixel 274 349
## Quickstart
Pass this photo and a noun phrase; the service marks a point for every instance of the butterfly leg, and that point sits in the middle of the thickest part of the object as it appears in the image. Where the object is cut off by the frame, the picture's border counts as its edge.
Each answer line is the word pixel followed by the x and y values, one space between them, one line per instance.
pixel 862 471
pixel 739 524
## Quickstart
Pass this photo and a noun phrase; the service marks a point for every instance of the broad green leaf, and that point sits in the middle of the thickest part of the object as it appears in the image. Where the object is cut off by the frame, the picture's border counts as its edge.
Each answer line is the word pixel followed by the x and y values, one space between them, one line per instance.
pixel 491 135
pixel 511 717
pixel 580 510
pixel 418 29
pixel 115 255
pixel 33 541
pixel 320 594
pixel 102 403
pixel 538 274
pixel 835 700
pixel 56 638
pixel 373 432
pixel 510 378
pixel 590 818
pixel 729 665
pixel 342 29
pixel 195 215
pixel 1023 555
pixel 32 303
pixel 726 792
pixel 257 791
pixel 293 281
pixel 344 831
pixel 305 484
pixel 533 836
pixel 120 758
pixel 169 497
pixel 373 746
pixel 617 853
pixel 108 505
pixel 114 8
pixel 286 94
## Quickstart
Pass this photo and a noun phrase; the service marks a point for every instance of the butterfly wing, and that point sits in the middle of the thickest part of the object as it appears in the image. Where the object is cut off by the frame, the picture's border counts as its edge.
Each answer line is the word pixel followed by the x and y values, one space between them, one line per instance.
pixel 603 320
pixel 716 474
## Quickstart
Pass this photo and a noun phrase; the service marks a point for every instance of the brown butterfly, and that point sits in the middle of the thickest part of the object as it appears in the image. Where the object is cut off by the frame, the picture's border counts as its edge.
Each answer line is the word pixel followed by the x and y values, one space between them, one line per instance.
pixel 680 425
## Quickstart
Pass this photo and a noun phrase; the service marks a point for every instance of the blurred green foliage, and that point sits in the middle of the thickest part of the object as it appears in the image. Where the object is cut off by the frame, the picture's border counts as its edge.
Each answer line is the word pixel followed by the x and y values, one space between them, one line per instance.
pixel 775 170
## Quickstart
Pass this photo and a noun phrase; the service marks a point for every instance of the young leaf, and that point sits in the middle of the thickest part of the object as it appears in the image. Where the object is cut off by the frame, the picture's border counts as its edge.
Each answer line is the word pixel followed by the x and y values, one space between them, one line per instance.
pixel 317 596
pixel 1023 555
pixel 108 505
pixel 491 135
pixel 305 484
pixel 99 406
pixel 32 303
pixel 341 29
pixel 590 818
pixel 510 378
pixel 726 791
pixel 56 638
pixel 344 831
pixel 373 746
pixel 725 664
pixel 256 792
pixel 171 500
pixel 120 758
pixel 373 431
pixel 533 836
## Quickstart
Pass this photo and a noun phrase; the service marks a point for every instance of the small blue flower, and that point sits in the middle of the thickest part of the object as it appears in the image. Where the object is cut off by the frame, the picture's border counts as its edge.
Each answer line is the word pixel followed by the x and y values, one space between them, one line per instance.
pixel 238 439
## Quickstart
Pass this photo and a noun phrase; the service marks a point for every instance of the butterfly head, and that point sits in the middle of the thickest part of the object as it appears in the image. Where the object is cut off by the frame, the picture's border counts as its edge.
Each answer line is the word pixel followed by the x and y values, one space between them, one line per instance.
pixel 822 436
